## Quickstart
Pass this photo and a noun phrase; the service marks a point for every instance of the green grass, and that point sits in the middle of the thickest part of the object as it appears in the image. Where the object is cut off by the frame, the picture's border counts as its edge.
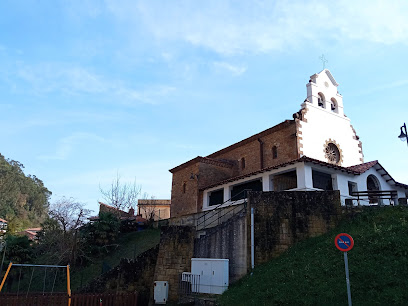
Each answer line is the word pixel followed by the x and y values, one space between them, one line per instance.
pixel 130 245
pixel 312 272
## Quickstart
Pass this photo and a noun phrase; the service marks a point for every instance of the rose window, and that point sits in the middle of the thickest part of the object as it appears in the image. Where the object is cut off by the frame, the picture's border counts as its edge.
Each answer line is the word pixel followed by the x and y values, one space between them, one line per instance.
pixel 332 153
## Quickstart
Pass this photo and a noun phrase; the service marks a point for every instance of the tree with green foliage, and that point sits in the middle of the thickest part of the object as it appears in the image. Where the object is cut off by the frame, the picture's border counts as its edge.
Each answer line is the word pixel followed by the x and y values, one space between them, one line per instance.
pixel 19 249
pixel 101 234
pixel 23 199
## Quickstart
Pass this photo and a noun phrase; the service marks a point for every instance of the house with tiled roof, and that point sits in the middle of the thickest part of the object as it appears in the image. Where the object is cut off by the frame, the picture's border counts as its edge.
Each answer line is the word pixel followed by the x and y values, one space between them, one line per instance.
pixel 3 226
pixel 316 150
pixel 154 209
pixel 124 216
pixel 31 233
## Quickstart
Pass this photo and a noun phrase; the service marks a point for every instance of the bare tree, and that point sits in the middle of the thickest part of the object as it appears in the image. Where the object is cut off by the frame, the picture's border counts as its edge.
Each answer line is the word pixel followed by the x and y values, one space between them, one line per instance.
pixel 69 214
pixel 60 233
pixel 121 195
pixel 147 209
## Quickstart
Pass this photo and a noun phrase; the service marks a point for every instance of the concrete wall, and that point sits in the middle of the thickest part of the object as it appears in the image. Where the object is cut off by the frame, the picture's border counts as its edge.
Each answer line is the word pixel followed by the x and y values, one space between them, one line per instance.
pixel 227 241
pixel 286 217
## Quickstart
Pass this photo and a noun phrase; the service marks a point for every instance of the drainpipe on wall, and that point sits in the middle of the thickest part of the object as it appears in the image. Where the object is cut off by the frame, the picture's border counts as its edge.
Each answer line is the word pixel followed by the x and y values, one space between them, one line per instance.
pixel 261 152
pixel 252 240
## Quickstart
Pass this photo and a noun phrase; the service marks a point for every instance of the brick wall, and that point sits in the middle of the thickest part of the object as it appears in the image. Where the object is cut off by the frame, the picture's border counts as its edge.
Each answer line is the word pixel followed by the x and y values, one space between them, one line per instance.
pixel 284 218
pixel 175 253
pixel 283 136
pixel 183 203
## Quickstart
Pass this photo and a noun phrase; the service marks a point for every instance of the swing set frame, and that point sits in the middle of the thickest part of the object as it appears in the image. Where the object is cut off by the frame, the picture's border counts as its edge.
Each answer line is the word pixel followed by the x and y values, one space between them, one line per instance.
pixel 41 266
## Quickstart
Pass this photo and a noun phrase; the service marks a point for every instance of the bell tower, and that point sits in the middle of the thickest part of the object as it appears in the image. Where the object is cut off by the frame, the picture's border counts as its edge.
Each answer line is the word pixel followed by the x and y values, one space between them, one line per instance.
pixel 322 92
pixel 324 132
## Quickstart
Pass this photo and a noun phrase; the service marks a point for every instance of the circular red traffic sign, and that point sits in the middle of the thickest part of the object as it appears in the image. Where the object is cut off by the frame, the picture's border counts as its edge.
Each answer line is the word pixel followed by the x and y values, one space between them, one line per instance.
pixel 344 242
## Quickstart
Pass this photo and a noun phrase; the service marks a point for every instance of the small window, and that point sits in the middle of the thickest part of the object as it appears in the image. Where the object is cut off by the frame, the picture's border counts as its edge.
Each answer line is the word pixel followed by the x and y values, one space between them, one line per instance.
pixel 285 181
pixel 274 152
pixel 216 197
pixel 352 187
pixel 322 180
pixel 243 163
pixel 184 187
pixel 321 100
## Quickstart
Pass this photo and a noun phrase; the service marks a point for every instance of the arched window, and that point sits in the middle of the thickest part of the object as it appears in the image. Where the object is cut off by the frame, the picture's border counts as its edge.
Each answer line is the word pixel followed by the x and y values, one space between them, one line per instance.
pixel 274 152
pixel 373 185
pixel 321 101
pixel 243 163
pixel 334 106
pixel 332 153
pixel 184 187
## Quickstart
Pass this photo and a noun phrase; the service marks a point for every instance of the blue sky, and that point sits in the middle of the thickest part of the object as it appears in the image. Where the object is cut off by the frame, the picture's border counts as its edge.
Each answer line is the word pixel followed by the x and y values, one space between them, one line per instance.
pixel 89 89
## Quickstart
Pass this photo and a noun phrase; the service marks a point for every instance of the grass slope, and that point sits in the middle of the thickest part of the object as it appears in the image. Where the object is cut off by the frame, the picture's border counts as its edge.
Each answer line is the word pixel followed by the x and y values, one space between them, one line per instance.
pixel 312 272
pixel 130 245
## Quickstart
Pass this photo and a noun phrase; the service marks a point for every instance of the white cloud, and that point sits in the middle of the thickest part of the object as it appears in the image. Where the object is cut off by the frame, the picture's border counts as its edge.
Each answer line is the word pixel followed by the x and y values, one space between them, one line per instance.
pixel 75 80
pixel 383 87
pixel 233 69
pixel 232 27
pixel 68 144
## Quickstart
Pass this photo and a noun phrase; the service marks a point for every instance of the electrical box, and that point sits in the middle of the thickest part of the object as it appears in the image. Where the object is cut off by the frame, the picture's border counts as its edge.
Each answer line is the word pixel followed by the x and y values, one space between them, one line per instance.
pixel 161 292
pixel 214 278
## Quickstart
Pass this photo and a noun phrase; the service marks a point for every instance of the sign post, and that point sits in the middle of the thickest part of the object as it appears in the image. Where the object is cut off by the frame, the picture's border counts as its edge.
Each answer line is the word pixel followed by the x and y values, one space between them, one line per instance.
pixel 344 242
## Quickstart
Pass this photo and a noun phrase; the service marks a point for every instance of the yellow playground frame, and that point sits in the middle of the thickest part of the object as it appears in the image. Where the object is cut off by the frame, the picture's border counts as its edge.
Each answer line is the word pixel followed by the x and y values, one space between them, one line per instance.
pixel 42 266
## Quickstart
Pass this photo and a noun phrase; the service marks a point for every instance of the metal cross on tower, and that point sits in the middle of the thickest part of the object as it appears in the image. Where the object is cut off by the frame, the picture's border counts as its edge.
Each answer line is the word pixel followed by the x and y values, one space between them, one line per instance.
pixel 324 60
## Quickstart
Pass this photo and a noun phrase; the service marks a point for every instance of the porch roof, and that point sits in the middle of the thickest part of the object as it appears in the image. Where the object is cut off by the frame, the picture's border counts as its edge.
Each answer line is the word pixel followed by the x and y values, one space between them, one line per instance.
pixel 354 170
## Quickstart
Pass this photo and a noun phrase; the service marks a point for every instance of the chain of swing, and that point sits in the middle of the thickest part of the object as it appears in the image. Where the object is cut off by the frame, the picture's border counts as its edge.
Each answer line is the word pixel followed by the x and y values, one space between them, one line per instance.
pixel 32 274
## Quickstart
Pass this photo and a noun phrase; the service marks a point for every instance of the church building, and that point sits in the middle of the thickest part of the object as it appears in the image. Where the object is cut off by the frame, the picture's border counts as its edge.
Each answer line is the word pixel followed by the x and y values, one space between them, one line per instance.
pixel 317 150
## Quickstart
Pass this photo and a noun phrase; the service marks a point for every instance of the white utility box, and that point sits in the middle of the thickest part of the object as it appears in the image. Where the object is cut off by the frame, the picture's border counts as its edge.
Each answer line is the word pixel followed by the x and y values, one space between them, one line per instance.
pixel 161 292
pixel 213 273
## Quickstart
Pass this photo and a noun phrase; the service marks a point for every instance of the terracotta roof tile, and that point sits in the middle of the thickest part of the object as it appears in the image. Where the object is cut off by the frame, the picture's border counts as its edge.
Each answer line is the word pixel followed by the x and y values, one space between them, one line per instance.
pixel 302 159
pixel 361 168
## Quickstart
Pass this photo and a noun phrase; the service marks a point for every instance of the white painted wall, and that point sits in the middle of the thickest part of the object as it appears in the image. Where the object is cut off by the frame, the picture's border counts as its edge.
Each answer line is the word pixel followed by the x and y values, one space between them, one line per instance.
pixel 324 125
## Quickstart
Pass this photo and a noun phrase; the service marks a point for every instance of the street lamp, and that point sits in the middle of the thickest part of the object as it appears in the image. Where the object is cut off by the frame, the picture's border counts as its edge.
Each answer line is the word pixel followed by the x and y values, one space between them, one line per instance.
pixel 404 135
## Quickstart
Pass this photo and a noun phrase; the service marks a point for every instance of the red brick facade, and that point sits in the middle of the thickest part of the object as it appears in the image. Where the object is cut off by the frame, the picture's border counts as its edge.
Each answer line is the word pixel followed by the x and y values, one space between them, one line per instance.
pixel 249 155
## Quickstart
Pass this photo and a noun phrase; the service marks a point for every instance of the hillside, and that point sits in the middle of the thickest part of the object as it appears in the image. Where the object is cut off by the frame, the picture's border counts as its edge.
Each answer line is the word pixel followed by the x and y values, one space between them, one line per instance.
pixel 312 272
pixel 130 245
pixel 23 198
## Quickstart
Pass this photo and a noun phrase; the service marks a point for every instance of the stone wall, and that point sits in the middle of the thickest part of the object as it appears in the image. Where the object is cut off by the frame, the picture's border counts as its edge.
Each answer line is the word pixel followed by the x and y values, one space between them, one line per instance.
pixel 175 253
pixel 284 218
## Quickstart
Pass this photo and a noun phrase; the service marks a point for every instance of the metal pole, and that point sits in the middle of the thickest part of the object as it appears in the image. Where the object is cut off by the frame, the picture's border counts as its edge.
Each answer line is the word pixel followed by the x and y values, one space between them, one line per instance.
pixel 5 275
pixel 252 239
pixel 69 286
pixel 347 278
pixel 4 254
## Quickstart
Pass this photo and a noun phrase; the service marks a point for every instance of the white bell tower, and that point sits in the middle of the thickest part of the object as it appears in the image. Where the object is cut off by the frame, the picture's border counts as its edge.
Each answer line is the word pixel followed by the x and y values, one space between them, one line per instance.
pixel 322 92
pixel 324 132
